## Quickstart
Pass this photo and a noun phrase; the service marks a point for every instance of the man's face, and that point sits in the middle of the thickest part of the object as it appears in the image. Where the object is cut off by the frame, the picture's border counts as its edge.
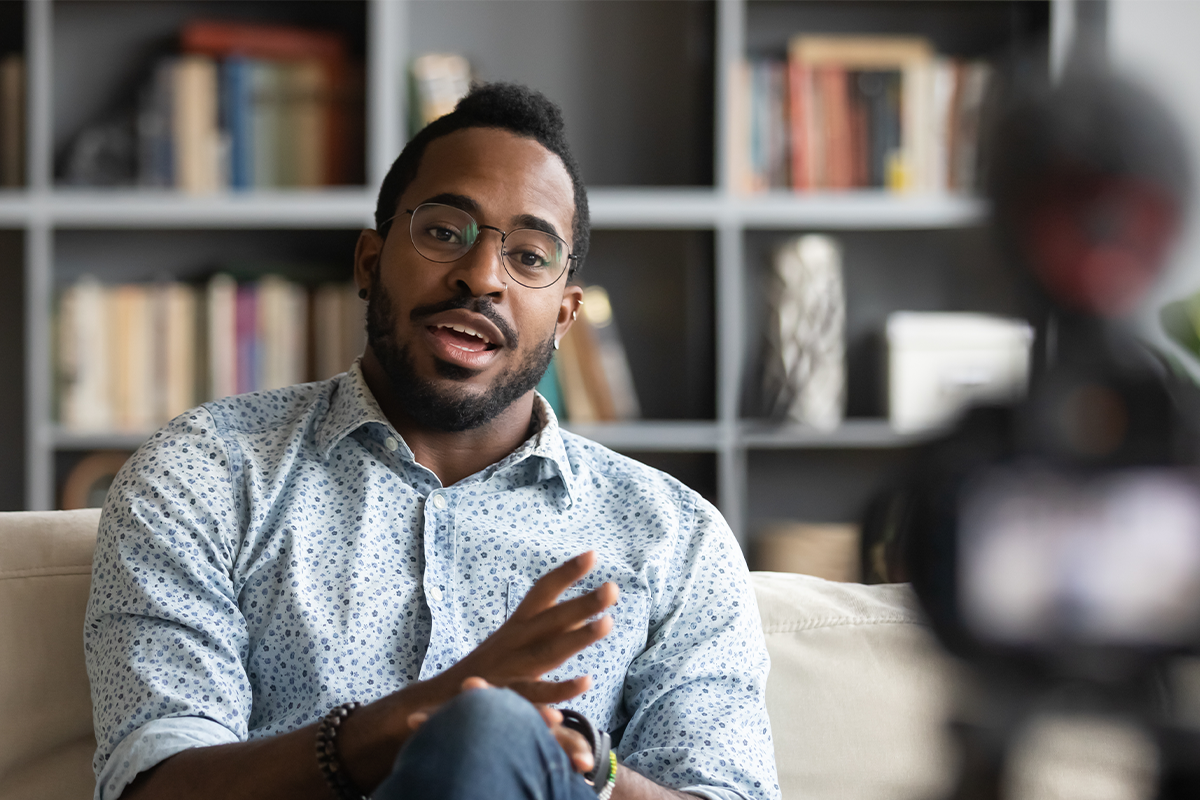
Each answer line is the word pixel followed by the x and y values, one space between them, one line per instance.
pixel 460 341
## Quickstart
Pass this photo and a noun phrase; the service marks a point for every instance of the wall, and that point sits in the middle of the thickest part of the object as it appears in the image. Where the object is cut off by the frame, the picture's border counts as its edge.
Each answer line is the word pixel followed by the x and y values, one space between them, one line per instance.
pixel 1156 41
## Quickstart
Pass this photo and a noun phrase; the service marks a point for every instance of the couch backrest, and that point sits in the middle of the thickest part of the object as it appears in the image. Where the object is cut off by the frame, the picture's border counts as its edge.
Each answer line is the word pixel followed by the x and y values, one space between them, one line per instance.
pixel 858 693
pixel 46 739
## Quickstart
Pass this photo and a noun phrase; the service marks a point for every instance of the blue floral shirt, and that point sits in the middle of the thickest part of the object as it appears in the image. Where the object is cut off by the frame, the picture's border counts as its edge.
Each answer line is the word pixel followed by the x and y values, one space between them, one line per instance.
pixel 266 557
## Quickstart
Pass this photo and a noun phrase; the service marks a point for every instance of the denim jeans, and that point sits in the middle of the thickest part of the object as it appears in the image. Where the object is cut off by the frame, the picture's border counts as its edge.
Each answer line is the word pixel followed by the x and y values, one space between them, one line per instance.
pixel 487 744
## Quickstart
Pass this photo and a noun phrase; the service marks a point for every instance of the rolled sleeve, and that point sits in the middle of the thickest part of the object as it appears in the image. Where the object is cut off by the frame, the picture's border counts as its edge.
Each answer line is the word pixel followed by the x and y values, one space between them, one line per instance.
pixel 164 639
pixel 154 742
pixel 698 689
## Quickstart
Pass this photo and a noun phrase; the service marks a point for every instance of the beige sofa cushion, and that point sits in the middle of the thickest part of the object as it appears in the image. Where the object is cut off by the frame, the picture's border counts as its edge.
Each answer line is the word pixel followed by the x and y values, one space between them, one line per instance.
pixel 858 693
pixel 46 741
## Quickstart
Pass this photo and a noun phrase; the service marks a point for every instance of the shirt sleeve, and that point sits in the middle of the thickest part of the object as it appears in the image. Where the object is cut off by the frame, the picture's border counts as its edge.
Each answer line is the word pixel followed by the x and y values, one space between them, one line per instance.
pixel 164 638
pixel 697 692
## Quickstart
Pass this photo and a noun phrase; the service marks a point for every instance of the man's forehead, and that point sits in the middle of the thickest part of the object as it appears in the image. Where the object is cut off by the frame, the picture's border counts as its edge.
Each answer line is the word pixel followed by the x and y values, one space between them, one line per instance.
pixel 502 173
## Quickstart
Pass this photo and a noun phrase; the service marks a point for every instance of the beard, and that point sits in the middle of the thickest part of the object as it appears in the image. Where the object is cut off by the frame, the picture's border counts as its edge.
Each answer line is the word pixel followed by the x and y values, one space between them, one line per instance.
pixel 430 406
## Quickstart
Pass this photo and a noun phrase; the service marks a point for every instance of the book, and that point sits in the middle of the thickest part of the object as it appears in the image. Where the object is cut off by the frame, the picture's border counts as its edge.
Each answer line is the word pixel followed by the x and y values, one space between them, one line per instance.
pixel 339 328
pixel 266 122
pixel 440 80
pixel 597 312
pixel 131 357
pixel 12 120
pixel 175 371
pixel 237 104
pixel 221 336
pixel 246 337
pixel 306 115
pixel 82 357
pixel 194 125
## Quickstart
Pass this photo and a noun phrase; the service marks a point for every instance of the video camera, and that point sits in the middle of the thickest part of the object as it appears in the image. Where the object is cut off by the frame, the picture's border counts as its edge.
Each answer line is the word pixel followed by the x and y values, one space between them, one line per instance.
pixel 1055 543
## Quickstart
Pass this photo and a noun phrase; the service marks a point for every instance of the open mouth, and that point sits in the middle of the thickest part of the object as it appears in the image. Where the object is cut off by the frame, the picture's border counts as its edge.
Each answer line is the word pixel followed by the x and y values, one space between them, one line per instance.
pixel 462 337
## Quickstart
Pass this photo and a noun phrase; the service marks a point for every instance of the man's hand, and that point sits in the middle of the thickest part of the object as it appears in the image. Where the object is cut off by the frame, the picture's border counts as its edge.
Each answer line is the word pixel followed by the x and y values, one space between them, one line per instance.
pixel 541 635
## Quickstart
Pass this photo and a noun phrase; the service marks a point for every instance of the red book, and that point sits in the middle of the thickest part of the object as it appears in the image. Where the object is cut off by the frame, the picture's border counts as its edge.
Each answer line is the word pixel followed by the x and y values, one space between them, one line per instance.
pixel 279 42
pixel 800 112
pixel 836 117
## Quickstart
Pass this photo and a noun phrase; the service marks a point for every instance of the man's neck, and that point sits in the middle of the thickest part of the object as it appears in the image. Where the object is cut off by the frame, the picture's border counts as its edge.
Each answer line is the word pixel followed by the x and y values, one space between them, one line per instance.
pixel 452 456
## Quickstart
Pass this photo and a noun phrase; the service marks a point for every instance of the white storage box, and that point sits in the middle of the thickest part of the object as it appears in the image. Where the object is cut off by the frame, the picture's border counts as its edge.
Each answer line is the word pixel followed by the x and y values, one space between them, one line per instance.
pixel 939 363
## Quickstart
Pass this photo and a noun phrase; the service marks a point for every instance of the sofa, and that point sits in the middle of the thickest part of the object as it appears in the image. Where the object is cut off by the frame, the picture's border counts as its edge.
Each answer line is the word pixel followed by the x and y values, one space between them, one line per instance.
pixel 858 693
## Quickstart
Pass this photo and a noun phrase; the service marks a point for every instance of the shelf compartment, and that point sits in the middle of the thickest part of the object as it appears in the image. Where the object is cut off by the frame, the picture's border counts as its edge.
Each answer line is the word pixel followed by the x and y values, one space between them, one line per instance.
pixel 634 78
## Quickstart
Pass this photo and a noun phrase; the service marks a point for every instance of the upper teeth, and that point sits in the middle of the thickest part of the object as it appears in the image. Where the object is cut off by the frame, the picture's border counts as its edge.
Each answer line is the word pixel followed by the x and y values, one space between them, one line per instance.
pixel 465 329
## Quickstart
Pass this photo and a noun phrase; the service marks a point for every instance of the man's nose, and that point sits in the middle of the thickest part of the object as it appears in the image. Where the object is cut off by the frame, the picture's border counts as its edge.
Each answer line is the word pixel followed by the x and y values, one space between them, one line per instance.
pixel 481 270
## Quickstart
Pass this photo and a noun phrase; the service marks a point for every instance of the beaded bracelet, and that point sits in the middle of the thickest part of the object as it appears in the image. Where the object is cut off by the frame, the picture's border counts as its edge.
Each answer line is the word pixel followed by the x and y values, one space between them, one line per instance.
pixel 607 791
pixel 328 760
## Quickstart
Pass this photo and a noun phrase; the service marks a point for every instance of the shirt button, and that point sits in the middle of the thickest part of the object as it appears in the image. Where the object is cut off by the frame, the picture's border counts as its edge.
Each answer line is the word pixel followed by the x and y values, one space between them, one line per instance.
pixel 391 444
pixel 439 501
pixel 435 593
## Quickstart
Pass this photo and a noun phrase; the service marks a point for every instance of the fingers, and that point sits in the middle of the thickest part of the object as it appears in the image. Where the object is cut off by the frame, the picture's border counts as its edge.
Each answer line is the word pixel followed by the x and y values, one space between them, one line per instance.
pixel 547 589
pixel 576 747
pixel 572 614
pixel 544 692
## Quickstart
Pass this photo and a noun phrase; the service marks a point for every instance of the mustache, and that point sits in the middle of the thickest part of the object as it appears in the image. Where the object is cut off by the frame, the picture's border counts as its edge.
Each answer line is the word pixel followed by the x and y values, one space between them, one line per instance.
pixel 479 305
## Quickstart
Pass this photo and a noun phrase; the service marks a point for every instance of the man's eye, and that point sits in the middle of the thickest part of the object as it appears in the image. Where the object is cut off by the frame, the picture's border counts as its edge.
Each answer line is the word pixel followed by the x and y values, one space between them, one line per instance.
pixel 441 234
pixel 529 259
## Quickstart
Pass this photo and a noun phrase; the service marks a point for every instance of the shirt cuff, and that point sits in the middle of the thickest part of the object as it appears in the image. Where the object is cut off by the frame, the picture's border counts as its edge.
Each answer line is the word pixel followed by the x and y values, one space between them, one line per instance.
pixel 712 792
pixel 156 741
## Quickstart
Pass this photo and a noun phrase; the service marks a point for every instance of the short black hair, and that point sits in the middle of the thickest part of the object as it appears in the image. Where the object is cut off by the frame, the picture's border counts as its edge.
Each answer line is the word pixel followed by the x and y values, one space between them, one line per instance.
pixel 507 106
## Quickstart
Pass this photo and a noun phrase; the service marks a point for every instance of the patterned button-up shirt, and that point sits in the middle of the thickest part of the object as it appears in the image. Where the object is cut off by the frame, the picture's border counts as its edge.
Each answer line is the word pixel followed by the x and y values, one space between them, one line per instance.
pixel 266 557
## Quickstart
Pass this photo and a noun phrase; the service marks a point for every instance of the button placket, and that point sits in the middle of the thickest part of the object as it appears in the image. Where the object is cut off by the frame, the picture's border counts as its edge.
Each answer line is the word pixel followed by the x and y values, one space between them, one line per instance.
pixel 438 570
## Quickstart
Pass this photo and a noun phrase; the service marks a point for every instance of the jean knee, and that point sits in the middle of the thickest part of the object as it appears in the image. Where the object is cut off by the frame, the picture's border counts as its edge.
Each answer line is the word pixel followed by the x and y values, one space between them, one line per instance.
pixel 493 715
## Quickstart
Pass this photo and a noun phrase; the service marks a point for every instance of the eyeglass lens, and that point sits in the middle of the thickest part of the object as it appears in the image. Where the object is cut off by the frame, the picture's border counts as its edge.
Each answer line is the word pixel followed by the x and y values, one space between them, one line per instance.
pixel 443 233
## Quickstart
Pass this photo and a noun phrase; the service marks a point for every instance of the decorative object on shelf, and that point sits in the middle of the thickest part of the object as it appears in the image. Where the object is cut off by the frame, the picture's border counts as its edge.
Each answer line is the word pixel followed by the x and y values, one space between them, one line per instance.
pixel 858 112
pixel 826 550
pixel 87 483
pixel 805 376
pixel 941 362
pixel 440 80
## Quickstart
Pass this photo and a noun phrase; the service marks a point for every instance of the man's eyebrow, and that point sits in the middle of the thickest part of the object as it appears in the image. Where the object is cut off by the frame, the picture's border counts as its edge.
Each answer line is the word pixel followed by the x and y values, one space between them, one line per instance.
pixel 537 223
pixel 460 201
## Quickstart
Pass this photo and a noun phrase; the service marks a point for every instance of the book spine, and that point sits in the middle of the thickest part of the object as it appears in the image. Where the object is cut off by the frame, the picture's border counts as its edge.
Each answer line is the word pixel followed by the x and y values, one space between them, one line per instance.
pixel 222 336
pixel 236 105
pixel 248 343
pixel 800 116
pixel 265 124
pixel 310 125
pixel 195 125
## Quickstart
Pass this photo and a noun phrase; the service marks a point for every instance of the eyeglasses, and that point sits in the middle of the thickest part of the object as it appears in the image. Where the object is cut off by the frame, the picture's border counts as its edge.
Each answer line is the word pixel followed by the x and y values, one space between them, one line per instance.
pixel 533 258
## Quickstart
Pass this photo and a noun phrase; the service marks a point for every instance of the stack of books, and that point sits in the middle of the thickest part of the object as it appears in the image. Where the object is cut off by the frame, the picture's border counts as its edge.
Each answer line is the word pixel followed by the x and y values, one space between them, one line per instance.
pixel 862 112
pixel 132 356
pixel 12 121
pixel 252 107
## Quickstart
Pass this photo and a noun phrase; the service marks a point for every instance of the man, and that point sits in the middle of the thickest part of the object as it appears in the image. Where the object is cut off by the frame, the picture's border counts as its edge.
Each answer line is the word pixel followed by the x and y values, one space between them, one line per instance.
pixel 400 537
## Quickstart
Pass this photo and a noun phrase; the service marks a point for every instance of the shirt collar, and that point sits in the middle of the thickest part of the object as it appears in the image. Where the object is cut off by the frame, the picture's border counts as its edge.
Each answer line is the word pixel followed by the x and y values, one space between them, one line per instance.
pixel 353 406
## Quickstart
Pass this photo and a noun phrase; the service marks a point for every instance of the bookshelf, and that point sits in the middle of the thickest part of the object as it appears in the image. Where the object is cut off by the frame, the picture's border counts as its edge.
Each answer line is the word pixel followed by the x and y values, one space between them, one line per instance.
pixel 645 89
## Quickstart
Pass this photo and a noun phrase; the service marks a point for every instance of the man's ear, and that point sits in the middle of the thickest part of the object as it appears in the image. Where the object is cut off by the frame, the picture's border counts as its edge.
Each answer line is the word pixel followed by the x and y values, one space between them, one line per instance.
pixel 367 253
pixel 571 301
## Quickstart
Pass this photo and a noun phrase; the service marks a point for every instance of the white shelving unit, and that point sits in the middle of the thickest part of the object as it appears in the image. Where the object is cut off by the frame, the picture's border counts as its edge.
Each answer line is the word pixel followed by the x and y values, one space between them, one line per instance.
pixel 727 440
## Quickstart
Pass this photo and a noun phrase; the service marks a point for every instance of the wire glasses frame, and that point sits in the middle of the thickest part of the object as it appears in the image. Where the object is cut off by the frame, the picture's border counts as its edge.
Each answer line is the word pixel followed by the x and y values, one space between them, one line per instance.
pixel 442 234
